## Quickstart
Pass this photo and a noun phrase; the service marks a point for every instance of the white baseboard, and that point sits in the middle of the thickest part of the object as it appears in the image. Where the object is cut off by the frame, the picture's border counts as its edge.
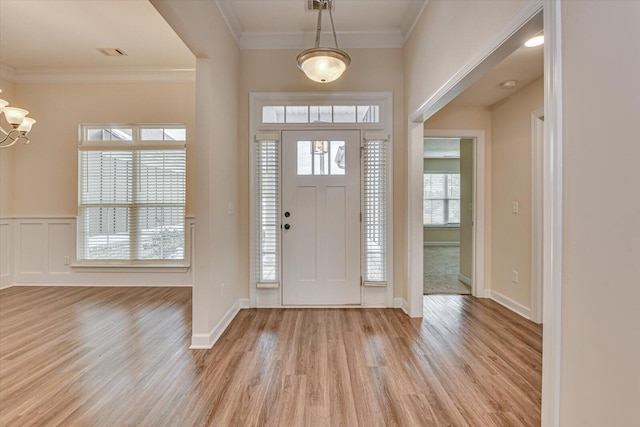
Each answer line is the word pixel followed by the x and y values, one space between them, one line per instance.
pixel 464 279
pixel 507 302
pixel 6 286
pixel 206 341
pixel 441 243
pixel 401 303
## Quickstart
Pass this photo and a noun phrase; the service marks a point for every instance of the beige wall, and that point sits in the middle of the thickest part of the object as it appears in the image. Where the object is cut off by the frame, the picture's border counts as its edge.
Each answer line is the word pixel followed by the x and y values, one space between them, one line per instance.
pixel 600 381
pixel 47 168
pixel 436 49
pixel 511 182
pixel 6 157
pixel 216 285
pixel 441 165
pixel 275 71
pixel 466 207
pixel 471 118
pixel 434 235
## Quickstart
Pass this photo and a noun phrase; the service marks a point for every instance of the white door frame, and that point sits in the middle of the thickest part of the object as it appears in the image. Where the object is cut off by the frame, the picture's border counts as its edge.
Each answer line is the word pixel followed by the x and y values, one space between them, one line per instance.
pixel 537 206
pixel 372 296
pixel 478 200
pixel 552 226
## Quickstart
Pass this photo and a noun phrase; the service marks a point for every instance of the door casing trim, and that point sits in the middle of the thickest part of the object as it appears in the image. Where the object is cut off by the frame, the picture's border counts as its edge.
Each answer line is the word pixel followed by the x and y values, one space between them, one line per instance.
pixel 478 218
pixel 272 297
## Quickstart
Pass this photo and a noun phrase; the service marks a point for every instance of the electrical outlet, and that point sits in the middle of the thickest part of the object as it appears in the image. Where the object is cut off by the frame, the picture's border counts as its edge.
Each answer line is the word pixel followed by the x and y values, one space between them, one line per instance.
pixel 230 208
pixel 514 276
pixel 67 260
pixel 515 207
pixel 221 289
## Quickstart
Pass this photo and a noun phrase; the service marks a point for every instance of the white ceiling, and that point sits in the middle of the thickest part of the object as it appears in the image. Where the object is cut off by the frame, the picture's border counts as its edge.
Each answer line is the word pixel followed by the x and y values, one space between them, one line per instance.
pixel 277 24
pixel 64 34
pixel 524 65
pixel 41 36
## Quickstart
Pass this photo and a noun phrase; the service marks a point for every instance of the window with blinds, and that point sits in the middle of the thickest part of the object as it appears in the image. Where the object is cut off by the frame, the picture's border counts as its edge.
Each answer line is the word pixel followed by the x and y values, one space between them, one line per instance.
pixel 441 199
pixel 267 187
pixel 374 212
pixel 131 197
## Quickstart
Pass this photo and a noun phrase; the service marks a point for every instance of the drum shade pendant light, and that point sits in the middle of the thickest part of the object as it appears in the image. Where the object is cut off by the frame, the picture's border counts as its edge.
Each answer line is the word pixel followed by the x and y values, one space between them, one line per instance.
pixel 324 64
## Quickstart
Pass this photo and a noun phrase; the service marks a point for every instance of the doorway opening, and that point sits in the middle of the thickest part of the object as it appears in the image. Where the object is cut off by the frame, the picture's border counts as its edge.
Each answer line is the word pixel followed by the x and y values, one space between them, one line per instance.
pixel 448 215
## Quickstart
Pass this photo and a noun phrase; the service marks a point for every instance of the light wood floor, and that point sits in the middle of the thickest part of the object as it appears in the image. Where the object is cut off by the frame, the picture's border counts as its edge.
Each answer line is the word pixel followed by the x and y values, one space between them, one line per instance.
pixel 119 356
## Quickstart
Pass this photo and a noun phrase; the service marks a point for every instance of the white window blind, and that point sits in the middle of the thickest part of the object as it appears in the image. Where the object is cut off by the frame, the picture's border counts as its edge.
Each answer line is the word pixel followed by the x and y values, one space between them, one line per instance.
pixel 131 203
pixel 268 211
pixel 374 212
pixel 441 199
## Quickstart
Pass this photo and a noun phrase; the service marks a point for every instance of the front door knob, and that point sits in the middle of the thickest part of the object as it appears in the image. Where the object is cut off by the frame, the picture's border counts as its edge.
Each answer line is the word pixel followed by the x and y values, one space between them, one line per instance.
pixel 287 214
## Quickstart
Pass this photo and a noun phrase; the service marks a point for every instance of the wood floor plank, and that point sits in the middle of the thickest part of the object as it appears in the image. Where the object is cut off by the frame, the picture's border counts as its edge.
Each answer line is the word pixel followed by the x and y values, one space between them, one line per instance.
pixel 120 357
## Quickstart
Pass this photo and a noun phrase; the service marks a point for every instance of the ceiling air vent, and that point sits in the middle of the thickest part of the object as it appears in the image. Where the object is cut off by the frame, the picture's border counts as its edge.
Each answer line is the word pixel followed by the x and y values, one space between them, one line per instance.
pixel 111 51
pixel 314 5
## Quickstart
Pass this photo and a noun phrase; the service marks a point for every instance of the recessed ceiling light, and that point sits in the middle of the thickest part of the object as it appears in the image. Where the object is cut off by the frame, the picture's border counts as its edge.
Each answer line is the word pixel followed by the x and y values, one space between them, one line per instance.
pixel 509 84
pixel 535 41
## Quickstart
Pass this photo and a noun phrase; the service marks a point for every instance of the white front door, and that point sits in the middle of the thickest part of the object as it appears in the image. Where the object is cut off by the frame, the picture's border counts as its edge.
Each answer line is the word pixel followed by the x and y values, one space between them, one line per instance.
pixel 321 217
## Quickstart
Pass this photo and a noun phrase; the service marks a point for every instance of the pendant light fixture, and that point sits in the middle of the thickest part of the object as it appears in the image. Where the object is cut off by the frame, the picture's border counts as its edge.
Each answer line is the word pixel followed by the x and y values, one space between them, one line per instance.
pixel 324 64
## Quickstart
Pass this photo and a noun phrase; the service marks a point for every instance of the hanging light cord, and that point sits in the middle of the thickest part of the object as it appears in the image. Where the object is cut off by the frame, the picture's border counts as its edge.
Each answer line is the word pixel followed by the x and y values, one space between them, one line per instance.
pixel 335 38
pixel 322 4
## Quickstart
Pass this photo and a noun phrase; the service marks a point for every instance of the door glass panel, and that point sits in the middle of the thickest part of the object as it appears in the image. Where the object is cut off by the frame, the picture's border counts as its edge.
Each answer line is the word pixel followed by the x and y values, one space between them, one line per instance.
pixel 337 157
pixel 320 158
pixel 305 159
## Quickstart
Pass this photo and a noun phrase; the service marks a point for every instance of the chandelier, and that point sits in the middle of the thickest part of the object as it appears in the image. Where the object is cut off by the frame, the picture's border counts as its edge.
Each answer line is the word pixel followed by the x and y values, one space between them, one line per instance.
pixel 21 125
pixel 324 64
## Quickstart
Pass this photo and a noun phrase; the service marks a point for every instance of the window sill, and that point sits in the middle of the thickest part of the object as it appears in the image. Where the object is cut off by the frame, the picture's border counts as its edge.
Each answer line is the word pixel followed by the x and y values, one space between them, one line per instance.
pixel 175 267
pixel 442 227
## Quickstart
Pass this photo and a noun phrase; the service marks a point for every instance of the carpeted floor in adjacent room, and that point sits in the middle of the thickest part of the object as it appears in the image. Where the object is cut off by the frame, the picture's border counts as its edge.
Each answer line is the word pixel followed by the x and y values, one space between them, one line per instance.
pixel 441 268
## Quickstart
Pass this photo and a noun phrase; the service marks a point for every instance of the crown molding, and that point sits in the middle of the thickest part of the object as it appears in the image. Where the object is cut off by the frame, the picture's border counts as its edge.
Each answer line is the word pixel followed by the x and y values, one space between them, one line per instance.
pixel 305 40
pixel 88 75
pixel 231 19
pixel 411 19
pixel 8 73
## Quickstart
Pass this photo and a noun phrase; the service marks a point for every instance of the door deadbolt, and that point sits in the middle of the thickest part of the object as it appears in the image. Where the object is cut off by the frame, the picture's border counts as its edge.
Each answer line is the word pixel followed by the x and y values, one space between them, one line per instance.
pixel 287 214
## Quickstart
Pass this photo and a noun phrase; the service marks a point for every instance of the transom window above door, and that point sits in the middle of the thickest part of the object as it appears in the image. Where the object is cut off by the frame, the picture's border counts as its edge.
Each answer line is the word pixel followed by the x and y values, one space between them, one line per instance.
pixel 321 114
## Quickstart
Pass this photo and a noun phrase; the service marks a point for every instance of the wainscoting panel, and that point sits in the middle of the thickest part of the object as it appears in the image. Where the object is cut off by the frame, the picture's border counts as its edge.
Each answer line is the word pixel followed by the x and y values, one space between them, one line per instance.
pixel 31 240
pixel 61 247
pixel 42 251
pixel 6 253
